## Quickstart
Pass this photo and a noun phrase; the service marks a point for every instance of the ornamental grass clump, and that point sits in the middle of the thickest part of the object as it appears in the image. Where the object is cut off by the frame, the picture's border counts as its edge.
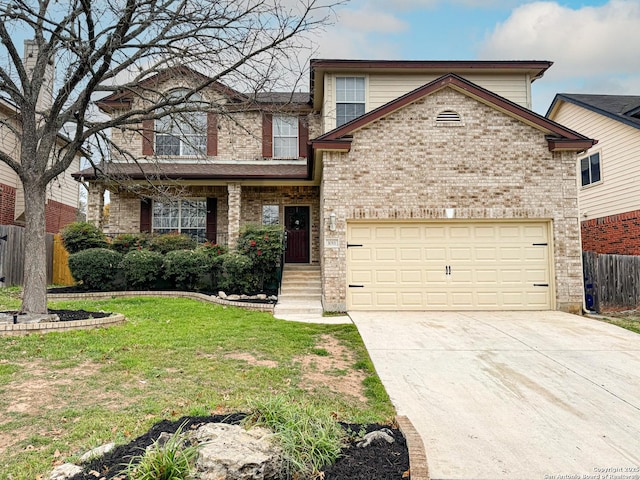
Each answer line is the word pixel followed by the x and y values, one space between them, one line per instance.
pixel 309 435
pixel 171 460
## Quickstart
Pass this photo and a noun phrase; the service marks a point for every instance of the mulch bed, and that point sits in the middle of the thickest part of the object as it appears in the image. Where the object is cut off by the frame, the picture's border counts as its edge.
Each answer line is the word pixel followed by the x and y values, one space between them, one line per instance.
pixel 379 461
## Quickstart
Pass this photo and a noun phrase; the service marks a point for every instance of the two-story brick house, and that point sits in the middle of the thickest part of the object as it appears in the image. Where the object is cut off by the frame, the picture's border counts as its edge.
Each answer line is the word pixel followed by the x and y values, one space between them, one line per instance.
pixel 413 184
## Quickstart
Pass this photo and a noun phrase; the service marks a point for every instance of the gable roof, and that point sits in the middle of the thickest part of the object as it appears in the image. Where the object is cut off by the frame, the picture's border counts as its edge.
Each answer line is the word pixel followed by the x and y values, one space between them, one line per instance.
pixel 123 98
pixel 558 136
pixel 622 108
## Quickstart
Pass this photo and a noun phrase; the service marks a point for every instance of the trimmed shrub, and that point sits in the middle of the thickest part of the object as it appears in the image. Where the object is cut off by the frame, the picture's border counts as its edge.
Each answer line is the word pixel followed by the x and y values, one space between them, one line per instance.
pixel 78 236
pixel 141 268
pixel 214 254
pixel 237 275
pixel 96 268
pixel 168 242
pixel 126 242
pixel 262 244
pixel 185 267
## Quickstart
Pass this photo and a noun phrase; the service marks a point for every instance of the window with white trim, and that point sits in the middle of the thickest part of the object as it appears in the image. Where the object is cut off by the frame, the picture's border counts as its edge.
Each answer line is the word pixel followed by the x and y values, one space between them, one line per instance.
pixel 590 169
pixel 350 99
pixel 182 133
pixel 187 216
pixel 285 136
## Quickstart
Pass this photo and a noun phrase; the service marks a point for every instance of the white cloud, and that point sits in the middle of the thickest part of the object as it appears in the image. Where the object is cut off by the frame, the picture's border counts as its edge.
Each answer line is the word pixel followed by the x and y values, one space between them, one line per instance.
pixel 354 34
pixel 588 42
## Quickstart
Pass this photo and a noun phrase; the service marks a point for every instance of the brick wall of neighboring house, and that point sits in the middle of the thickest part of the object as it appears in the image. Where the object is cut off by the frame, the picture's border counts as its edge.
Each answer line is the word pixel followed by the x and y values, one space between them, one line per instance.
pixel 7 204
pixel 253 198
pixel 615 234
pixel 490 166
pixel 58 215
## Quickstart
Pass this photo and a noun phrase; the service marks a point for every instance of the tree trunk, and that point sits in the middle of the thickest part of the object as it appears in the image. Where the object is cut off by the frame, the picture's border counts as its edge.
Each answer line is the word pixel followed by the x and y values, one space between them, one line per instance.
pixel 34 298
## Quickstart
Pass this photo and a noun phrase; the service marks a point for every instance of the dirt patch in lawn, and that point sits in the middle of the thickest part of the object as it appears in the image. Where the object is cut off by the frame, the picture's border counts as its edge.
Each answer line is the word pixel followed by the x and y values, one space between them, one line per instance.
pixel 37 389
pixel 332 365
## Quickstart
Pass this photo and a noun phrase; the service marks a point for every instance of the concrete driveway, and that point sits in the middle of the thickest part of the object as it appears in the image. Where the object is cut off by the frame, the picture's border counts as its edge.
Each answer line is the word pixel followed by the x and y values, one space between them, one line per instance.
pixel 512 395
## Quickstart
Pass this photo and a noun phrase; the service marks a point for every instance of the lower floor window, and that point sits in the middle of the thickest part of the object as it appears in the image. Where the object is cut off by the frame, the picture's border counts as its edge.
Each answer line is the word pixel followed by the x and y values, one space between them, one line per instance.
pixel 182 216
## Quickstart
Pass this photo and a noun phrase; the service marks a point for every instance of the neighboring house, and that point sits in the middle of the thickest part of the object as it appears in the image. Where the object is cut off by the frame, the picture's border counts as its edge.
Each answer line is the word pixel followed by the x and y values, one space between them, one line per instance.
pixel 62 193
pixel 609 172
pixel 414 185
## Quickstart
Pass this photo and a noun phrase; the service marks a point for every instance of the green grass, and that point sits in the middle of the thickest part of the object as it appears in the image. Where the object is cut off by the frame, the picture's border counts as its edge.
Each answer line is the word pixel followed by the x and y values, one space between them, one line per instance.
pixel 62 394
pixel 630 322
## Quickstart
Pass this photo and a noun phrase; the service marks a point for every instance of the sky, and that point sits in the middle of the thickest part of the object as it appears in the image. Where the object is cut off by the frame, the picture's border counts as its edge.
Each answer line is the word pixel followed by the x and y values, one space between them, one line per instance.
pixel 594 44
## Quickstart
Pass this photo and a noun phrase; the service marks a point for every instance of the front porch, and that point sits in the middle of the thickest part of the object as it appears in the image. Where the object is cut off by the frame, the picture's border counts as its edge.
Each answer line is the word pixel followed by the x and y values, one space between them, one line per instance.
pixel 216 213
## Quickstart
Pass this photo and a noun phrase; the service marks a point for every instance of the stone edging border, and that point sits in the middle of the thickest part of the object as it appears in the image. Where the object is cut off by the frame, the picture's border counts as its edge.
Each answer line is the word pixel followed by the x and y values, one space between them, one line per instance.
pixel 260 307
pixel 417 456
pixel 9 329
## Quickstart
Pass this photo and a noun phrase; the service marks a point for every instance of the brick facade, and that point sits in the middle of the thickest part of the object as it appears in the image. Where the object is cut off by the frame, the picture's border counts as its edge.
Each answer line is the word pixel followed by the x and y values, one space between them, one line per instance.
pixel 7 204
pixel 614 234
pixel 490 166
pixel 58 215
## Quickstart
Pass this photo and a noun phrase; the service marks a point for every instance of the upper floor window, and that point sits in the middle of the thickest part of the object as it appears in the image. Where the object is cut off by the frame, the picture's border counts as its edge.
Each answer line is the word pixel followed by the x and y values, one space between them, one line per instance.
pixel 285 136
pixel 590 169
pixel 350 99
pixel 182 133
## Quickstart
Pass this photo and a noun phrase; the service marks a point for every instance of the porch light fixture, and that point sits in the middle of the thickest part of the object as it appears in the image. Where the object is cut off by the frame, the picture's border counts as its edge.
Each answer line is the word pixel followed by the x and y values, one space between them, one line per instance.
pixel 332 222
pixel 450 212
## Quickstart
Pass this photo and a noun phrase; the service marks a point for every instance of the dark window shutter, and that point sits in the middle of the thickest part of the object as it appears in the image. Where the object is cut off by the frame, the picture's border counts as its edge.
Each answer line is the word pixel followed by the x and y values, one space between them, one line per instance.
pixel 147 137
pixel 303 137
pixel 145 215
pixel 212 134
pixel 212 220
pixel 267 135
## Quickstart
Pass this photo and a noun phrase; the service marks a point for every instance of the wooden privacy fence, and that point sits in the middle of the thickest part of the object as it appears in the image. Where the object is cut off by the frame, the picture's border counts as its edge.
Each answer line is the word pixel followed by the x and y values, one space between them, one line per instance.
pixel 12 258
pixel 61 273
pixel 611 282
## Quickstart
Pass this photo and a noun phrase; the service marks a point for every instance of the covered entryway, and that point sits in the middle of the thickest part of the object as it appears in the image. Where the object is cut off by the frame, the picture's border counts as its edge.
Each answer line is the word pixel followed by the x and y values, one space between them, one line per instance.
pixel 297 224
pixel 449 266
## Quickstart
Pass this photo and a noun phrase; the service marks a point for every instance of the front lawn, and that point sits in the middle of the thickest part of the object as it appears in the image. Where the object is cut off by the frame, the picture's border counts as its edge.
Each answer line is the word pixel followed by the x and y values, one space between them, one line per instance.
pixel 64 393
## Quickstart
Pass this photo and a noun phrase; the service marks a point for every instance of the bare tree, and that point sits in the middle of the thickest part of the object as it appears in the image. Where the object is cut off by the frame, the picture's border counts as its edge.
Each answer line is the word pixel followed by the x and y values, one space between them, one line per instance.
pixel 100 47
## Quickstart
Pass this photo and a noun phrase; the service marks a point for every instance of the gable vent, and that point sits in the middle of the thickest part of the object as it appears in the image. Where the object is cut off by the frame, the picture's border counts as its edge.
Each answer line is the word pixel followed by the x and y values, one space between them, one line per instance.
pixel 448 116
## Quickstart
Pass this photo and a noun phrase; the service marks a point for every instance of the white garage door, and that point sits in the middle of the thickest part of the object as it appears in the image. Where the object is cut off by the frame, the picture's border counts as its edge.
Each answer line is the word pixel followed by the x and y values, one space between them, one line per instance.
pixel 448 266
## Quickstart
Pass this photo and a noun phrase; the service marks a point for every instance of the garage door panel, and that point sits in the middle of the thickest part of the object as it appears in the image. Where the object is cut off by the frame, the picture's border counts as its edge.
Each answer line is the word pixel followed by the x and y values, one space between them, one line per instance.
pixel 360 276
pixel 360 255
pixel 411 276
pixel 386 277
pixel 449 266
pixel 385 254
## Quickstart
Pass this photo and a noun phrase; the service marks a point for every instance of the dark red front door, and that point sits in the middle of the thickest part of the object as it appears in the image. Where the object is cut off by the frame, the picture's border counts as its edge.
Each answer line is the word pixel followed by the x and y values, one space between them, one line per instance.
pixel 296 220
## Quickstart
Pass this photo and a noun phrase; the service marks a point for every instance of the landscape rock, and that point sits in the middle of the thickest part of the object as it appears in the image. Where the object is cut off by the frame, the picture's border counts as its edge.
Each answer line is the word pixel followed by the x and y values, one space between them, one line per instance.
pixel 261 296
pixel 97 452
pixel 383 435
pixel 64 471
pixel 230 452
pixel 233 297
pixel 222 295
pixel 29 318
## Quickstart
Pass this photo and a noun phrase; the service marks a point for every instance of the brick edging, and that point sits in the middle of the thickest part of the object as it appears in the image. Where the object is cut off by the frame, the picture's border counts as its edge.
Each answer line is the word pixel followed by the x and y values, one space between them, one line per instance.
pixel 260 307
pixel 9 329
pixel 418 467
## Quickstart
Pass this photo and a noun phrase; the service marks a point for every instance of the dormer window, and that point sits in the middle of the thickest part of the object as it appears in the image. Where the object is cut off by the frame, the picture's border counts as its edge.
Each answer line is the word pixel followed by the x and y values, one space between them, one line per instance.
pixel 182 133
pixel 350 99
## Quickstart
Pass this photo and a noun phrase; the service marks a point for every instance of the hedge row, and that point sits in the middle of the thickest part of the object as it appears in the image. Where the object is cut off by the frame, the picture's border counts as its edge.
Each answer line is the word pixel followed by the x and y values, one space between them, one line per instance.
pixel 151 262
